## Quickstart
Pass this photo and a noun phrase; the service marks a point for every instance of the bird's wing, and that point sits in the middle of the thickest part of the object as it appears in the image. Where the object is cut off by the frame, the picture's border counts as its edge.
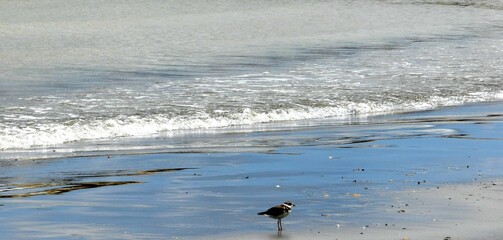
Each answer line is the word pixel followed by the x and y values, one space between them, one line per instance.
pixel 276 211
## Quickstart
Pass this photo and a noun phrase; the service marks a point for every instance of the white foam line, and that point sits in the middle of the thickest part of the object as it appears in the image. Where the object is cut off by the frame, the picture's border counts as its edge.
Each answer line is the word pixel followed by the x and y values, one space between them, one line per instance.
pixel 133 126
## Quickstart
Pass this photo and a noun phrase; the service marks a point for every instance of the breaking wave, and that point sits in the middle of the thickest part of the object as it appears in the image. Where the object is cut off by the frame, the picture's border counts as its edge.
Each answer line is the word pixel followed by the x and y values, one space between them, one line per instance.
pixel 51 134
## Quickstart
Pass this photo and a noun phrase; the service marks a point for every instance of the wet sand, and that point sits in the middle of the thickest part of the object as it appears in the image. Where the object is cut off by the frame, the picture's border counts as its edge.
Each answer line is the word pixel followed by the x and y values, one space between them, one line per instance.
pixel 462 211
pixel 428 175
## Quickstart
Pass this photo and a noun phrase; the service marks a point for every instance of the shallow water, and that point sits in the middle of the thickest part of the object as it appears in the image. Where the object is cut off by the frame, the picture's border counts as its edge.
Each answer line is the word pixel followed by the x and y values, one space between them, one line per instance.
pixel 102 75
pixel 337 175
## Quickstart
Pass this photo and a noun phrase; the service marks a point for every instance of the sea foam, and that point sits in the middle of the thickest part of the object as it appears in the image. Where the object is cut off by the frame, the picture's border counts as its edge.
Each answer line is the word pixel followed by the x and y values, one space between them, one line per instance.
pixel 52 134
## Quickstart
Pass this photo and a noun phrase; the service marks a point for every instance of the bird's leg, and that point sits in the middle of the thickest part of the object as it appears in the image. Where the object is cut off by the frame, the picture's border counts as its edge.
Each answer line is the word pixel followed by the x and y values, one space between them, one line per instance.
pixel 280 225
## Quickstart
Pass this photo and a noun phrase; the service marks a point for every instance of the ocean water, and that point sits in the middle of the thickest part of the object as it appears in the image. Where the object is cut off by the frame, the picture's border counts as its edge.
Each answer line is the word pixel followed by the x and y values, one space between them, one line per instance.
pixel 82 77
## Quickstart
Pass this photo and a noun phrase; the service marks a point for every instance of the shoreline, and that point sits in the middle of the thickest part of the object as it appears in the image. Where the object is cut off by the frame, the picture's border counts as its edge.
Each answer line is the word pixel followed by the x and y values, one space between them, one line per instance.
pixel 457 113
pixel 347 181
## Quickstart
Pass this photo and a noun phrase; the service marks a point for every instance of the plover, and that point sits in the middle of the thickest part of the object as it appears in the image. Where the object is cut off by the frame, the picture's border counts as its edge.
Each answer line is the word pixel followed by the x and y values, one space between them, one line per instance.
pixel 279 212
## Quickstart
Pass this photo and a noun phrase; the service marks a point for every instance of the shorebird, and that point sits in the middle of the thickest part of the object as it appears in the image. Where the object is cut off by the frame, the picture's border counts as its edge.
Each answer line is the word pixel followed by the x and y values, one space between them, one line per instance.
pixel 279 212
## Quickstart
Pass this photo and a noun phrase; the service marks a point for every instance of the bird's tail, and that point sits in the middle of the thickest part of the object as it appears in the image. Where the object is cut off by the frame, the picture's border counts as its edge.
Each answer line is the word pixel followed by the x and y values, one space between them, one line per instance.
pixel 261 213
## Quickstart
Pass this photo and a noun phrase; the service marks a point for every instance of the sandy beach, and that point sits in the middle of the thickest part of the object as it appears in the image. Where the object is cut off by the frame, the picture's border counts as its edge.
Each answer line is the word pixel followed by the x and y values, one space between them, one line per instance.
pixel 461 211
pixel 425 175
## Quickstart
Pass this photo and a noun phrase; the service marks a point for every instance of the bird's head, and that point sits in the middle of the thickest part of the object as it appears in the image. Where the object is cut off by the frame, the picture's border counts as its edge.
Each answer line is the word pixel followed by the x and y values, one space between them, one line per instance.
pixel 289 204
